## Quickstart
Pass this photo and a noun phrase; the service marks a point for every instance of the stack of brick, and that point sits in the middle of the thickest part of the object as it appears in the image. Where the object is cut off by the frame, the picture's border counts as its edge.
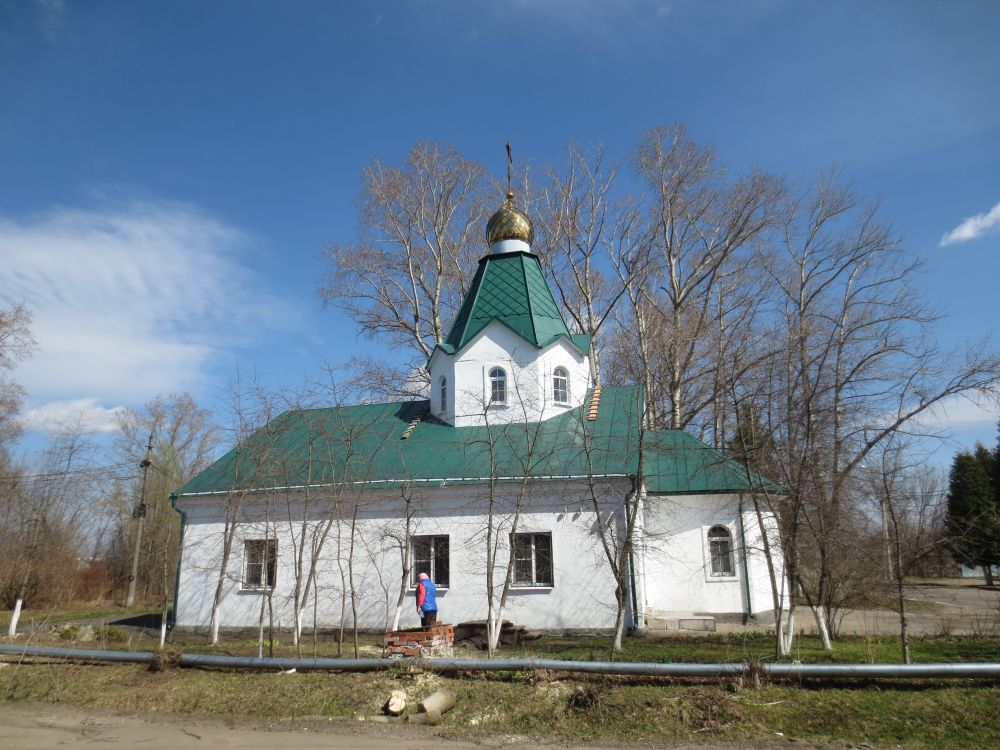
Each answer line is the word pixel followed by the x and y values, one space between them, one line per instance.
pixel 436 640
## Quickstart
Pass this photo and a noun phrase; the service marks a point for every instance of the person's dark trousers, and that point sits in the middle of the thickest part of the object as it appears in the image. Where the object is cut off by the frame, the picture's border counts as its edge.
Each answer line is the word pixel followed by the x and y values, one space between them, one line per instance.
pixel 428 618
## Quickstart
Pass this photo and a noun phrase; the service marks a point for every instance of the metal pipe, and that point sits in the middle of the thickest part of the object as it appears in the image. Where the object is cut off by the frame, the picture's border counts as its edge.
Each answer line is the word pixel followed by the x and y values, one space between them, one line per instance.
pixel 820 671
pixel 79 654
pixel 283 663
pixel 902 671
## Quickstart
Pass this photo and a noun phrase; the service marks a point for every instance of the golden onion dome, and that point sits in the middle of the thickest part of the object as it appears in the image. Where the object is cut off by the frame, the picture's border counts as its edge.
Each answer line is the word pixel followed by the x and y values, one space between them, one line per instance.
pixel 509 224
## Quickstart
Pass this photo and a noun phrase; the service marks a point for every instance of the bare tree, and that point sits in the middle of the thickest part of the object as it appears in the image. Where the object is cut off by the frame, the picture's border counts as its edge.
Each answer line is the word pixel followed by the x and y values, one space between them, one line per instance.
pixel 405 274
pixel 185 439
pixel 250 410
pixel 581 221
pixel 701 228
pixel 398 535
pixel 16 343
pixel 856 365
pixel 616 520
pixel 45 524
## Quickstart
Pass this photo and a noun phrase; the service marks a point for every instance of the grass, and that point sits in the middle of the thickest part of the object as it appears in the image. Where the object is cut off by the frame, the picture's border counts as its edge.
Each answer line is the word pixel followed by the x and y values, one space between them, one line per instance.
pixel 760 647
pixel 57 627
pixel 544 706
pixel 549 706
pixel 32 618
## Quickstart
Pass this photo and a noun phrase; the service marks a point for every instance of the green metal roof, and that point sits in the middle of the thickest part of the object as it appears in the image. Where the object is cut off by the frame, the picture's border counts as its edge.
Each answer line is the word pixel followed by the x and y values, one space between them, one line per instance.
pixel 511 288
pixel 363 445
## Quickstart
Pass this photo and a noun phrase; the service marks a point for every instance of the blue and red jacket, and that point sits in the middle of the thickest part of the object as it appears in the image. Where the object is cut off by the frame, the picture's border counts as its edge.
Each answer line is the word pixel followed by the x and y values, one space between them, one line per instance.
pixel 427 596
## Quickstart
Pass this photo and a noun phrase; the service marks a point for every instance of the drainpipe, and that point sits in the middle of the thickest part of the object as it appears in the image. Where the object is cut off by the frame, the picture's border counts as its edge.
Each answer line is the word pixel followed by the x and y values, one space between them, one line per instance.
pixel 637 621
pixel 746 567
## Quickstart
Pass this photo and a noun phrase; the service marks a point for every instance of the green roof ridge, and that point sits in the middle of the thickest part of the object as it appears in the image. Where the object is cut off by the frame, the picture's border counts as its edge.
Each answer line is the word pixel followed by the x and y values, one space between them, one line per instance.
pixel 531 309
pixel 519 297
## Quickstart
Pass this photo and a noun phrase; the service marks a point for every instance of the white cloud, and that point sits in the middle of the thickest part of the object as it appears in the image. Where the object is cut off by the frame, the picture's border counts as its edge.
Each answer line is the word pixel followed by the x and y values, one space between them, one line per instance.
pixel 83 414
pixel 974 227
pixel 127 302
pixel 959 412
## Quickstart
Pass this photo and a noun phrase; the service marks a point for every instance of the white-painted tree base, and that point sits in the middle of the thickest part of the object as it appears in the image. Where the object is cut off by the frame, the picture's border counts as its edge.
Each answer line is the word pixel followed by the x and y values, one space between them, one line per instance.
pixel 12 628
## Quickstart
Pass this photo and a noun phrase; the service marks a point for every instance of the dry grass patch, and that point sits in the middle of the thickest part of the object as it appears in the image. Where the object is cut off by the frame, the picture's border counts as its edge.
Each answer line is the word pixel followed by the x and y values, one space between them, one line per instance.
pixel 547 706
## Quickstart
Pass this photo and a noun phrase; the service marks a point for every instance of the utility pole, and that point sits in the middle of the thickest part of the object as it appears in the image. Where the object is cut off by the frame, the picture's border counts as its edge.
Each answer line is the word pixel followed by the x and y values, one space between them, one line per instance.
pixel 140 514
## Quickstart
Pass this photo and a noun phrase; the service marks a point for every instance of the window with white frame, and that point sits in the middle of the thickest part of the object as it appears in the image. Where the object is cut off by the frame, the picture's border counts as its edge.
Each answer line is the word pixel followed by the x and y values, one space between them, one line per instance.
pixel 560 385
pixel 430 556
pixel 532 559
pixel 444 393
pixel 720 550
pixel 498 386
pixel 260 563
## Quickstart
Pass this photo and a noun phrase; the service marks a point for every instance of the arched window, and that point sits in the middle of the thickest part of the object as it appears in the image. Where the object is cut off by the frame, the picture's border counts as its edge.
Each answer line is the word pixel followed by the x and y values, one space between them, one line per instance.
pixel 720 548
pixel 560 385
pixel 498 386
pixel 444 394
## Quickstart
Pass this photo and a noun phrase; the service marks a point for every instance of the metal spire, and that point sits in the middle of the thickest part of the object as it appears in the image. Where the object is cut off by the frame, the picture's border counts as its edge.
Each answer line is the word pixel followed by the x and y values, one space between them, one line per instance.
pixel 510 165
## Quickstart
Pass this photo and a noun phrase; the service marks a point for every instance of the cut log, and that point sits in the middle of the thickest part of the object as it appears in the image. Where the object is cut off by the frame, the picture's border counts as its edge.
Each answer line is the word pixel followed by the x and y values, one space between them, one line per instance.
pixel 396 704
pixel 441 701
pixel 432 718
pixel 475 641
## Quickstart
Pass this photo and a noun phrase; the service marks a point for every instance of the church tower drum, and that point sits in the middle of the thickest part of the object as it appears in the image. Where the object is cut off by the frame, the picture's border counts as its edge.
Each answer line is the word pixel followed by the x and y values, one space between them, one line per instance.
pixel 509 356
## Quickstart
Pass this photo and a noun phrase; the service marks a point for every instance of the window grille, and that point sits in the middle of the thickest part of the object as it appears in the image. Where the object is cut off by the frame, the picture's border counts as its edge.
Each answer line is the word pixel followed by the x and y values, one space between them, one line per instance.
pixel 498 386
pixel 430 556
pixel 532 559
pixel 260 567
pixel 720 548
pixel 560 386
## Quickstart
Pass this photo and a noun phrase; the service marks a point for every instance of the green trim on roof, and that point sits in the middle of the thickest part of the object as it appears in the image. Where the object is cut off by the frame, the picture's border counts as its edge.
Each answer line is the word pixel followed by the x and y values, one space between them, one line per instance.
pixel 361 445
pixel 511 289
pixel 581 341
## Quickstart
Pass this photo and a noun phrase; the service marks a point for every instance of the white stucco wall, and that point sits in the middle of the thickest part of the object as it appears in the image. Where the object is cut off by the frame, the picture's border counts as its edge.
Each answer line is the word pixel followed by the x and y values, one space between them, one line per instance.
pixel 580 598
pixel 529 378
pixel 673 572
pixel 676 560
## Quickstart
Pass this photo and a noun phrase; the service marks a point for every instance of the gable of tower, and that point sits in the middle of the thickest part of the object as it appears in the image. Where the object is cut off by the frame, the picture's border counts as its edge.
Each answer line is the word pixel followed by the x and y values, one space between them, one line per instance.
pixel 510 288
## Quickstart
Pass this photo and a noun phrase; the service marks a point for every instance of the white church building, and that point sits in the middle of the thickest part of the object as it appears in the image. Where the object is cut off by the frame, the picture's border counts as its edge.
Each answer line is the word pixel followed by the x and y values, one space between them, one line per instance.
pixel 516 466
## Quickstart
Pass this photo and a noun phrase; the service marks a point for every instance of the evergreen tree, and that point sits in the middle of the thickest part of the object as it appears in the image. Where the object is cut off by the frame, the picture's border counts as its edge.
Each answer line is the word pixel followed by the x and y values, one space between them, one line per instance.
pixel 972 510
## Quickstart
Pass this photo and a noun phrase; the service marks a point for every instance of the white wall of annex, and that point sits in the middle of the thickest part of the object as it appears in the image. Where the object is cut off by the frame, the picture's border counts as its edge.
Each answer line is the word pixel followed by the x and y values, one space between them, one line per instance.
pixel 582 596
pixel 676 560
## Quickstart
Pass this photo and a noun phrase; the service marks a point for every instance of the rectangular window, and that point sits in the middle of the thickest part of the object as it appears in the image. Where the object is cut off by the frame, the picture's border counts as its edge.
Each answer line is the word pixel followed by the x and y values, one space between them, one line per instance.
pixel 532 559
pixel 430 556
pixel 260 563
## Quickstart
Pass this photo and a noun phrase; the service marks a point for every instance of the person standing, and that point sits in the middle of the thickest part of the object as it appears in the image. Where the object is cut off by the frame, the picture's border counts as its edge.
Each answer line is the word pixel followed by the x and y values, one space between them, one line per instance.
pixel 427 606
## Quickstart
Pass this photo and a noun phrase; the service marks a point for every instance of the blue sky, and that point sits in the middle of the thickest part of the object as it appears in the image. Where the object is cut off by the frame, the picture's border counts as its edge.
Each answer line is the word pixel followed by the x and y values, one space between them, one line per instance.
pixel 169 172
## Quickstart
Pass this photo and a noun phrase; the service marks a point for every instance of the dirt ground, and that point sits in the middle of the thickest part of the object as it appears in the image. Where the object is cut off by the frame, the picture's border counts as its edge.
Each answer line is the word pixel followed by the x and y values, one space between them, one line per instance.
pixel 41 727
pixel 34 727
pixel 948 607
